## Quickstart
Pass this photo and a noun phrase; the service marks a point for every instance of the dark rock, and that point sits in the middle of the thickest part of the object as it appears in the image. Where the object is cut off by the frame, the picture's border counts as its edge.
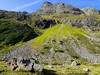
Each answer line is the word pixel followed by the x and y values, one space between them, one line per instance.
pixel 42 24
pixel 1 16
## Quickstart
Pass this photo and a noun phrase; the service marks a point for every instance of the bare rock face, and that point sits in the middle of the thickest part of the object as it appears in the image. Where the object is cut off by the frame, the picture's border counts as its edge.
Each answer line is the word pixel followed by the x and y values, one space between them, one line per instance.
pixel 46 5
pixel 59 7
pixel 49 8
pixel 63 8
pixel 42 24
pixel 89 11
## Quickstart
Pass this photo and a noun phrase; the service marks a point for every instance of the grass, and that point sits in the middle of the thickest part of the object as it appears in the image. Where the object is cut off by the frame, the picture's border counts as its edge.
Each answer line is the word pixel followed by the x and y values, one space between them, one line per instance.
pixel 56 32
pixel 55 70
pixel 76 70
pixel 4 70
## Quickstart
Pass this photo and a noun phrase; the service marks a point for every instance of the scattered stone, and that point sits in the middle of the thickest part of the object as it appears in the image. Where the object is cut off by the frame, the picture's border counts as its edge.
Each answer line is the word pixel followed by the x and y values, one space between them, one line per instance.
pixel 50 66
pixel 74 63
pixel 86 69
pixel 93 74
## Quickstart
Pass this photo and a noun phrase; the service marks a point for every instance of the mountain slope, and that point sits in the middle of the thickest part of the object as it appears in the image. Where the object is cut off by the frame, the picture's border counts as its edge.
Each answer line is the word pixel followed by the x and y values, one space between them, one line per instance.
pixel 65 43
pixel 62 37
pixel 57 32
pixel 12 33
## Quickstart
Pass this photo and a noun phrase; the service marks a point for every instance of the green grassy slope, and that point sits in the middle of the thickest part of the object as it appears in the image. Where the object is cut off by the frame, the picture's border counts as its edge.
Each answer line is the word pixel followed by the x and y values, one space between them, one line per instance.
pixel 62 38
pixel 58 31
pixel 13 34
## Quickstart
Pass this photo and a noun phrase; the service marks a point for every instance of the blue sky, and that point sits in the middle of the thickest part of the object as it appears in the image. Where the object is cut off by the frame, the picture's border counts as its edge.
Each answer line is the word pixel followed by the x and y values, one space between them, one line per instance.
pixel 33 5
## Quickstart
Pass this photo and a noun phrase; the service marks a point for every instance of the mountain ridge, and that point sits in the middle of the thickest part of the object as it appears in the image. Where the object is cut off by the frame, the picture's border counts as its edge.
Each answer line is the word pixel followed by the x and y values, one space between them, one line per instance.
pixel 49 8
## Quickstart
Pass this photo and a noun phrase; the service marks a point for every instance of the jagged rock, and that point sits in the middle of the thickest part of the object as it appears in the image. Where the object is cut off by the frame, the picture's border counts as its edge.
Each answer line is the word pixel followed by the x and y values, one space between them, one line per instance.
pixel 42 24
pixel 46 5
pixel 49 8
pixel 59 7
pixel 89 11
pixel 89 23
pixel 24 65
pixel 63 8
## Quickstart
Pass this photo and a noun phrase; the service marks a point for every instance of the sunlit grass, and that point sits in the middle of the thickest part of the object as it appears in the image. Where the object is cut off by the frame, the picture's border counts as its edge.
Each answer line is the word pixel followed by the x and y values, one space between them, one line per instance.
pixel 57 32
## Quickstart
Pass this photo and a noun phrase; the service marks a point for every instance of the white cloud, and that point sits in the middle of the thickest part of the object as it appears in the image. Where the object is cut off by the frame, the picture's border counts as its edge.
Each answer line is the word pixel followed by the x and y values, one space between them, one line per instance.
pixel 27 5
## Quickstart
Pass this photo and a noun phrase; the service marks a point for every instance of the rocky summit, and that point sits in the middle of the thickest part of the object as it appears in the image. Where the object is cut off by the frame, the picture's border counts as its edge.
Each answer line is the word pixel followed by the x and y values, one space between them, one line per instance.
pixel 49 8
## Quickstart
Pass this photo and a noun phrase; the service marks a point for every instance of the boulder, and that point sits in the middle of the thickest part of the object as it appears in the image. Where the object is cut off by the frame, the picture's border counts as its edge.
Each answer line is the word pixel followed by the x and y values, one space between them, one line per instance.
pixel 38 67
pixel 74 63
pixel 86 69
pixel 24 65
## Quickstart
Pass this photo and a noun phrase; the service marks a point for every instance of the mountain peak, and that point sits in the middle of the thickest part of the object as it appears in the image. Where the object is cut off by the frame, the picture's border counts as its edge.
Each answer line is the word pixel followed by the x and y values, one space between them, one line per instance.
pixel 49 8
pixel 47 2
pixel 46 5
pixel 60 3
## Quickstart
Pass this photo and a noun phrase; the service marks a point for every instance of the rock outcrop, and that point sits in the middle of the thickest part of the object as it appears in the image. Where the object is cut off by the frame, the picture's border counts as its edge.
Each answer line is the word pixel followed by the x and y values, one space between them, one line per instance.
pixel 42 24
pixel 90 11
pixel 20 64
pixel 89 23
pixel 68 9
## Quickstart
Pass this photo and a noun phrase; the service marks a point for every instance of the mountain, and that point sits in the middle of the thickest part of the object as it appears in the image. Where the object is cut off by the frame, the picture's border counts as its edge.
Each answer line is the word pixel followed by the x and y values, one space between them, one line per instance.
pixel 61 8
pixel 52 33
pixel 49 8
pixel 62 42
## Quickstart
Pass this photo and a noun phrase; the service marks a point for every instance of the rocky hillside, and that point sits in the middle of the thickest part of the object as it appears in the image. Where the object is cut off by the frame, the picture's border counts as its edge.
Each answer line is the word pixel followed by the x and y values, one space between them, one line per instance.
pixel 54 32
